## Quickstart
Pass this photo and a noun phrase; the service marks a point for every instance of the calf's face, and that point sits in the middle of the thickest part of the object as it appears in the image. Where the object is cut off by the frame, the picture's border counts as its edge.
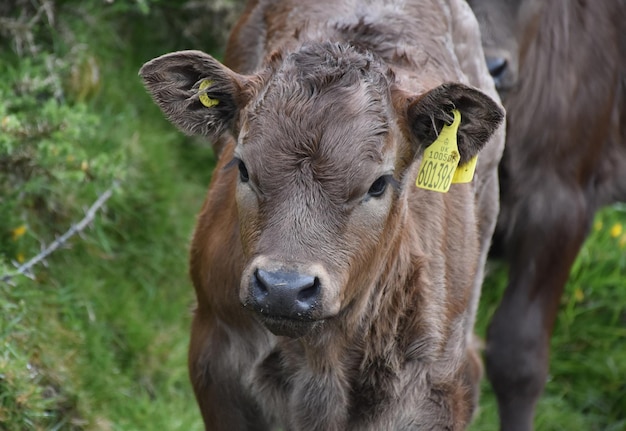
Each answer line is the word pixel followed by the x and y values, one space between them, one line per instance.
pixel 316 156
pixel 323 142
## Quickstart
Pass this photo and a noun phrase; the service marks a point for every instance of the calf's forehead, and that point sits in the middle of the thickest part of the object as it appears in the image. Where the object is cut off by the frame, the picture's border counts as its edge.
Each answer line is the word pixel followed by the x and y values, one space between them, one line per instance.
pixel 332 122
pixel 294 118
pixel 332 138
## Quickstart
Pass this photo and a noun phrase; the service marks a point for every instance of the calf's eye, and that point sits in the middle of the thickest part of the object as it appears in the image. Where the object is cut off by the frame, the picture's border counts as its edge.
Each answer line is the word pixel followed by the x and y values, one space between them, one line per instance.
pixel 243 172
pixel 378 187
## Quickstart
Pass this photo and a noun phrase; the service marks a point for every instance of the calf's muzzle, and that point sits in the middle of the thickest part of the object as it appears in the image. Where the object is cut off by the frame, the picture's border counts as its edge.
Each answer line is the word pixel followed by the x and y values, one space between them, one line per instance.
pixel 284 294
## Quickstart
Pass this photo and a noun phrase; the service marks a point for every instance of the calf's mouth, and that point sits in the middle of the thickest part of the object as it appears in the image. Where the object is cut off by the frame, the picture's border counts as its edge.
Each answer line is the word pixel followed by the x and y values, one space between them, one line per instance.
pixel 284 326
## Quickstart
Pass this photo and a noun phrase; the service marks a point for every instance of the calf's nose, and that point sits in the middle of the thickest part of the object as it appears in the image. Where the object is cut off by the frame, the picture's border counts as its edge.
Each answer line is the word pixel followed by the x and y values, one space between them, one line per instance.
pixel 284 294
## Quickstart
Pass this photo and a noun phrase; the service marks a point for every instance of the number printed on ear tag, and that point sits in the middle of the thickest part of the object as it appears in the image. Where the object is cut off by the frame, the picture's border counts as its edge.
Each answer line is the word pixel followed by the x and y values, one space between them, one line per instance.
pixel 440 159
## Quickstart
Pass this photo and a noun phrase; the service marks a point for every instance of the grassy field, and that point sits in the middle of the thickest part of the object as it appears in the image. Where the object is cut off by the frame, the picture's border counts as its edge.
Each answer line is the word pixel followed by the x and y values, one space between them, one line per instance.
pixel 97 339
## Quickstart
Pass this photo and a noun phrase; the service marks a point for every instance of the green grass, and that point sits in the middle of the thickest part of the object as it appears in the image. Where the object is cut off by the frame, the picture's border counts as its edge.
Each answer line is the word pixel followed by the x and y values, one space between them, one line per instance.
pixel 98 339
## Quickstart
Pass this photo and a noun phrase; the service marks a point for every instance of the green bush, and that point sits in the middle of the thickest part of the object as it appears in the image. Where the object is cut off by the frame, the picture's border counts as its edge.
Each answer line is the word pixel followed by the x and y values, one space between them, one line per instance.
pixel 95 336
pixel 50 166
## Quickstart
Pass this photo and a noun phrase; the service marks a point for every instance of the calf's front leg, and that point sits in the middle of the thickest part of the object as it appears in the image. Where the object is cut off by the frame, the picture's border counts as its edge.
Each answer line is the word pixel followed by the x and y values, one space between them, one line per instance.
pixel 541 248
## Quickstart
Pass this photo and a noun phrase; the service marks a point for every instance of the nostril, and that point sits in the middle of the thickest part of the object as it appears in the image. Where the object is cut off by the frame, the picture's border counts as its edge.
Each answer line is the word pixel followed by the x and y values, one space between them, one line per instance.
pixel 310 293
pixel 497 66
pixel 261 282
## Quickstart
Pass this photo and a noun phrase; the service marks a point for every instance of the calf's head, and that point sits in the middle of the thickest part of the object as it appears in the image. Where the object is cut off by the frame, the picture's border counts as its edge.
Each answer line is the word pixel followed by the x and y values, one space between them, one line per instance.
pixel 323 141
pixel 504 26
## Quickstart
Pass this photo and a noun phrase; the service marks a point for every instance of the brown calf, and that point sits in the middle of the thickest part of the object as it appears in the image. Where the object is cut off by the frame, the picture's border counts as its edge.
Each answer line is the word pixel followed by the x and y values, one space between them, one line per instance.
pixel 358 288
pixel 561 69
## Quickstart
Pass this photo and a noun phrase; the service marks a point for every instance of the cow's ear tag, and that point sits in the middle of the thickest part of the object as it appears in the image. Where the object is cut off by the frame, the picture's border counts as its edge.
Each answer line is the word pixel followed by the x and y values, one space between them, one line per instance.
pixel 465 173
pixel 204 99
pixel 440 159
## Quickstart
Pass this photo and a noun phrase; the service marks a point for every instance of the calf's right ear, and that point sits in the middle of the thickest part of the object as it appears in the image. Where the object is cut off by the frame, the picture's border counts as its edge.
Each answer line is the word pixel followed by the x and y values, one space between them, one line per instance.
pixel 196 92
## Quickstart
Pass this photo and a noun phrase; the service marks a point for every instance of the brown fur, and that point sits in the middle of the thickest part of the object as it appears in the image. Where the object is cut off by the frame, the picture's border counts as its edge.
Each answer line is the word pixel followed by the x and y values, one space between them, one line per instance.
pixel 328 99
pixel 565 94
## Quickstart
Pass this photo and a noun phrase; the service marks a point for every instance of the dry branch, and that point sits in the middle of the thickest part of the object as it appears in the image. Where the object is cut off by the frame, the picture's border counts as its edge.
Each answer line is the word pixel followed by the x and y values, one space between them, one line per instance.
pixel 90 214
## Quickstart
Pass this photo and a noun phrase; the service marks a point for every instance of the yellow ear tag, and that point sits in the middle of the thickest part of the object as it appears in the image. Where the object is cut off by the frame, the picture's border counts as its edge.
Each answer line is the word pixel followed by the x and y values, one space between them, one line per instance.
pixel 204 99
pixel 465 173
pixel 440 159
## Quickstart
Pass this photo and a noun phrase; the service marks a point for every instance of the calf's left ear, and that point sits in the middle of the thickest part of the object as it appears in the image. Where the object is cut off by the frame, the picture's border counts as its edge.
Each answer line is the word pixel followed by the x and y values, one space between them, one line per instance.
pixel 480 117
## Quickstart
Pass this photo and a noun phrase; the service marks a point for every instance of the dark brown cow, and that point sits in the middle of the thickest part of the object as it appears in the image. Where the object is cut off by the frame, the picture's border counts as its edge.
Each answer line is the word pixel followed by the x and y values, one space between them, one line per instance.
pixel 561 68
pixel 358 288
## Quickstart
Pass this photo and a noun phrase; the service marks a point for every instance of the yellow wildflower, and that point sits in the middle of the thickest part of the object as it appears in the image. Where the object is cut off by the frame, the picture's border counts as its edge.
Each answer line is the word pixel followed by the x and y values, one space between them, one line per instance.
pixel 579 295
pixel 18 232
pixel 84 166
pixel 23 398
pixel 20 257
pixel 616 230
